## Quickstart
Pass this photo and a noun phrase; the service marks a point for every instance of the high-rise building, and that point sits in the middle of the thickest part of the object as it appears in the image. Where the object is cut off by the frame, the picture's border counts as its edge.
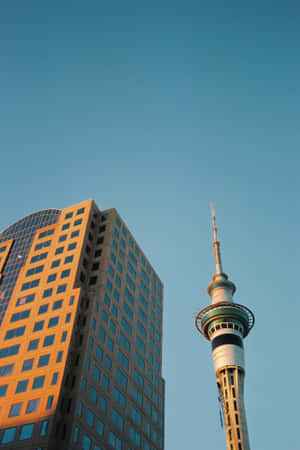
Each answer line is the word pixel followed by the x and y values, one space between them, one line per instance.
pixel 80 334
pixel 225 324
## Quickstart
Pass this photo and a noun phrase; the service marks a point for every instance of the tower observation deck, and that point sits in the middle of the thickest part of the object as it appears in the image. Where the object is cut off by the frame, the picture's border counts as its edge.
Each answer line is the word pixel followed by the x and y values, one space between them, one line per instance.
pixel 225 324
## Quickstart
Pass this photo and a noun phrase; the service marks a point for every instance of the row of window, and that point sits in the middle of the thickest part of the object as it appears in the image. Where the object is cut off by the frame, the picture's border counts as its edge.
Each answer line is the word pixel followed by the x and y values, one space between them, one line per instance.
pixel 30 298
pixel 26 432
pixel 31 406
pixel 28 364
pixel 23 384
pixel 78 213
pixel 38 326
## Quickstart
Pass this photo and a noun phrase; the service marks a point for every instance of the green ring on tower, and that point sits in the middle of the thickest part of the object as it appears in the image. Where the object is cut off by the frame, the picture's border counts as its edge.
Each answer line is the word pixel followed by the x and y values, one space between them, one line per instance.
pixel 227 311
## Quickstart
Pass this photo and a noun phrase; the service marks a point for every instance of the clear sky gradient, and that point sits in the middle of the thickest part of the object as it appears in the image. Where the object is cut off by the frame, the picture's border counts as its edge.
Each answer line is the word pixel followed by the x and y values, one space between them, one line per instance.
pixel 158 108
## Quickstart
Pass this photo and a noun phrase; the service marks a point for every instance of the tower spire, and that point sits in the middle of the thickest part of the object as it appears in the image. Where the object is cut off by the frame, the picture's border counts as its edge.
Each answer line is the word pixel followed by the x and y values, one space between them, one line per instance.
pixel 216 242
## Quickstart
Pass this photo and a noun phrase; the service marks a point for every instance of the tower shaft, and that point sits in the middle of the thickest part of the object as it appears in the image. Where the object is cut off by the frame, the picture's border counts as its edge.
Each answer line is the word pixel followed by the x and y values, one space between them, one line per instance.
pixel 231 387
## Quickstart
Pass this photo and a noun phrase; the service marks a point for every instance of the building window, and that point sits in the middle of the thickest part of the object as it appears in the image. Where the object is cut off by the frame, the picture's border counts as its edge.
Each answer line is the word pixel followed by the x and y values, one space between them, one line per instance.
pixel 59 357
pixel 107 362
pixel 15 410
pixel 30 285
pixel 44 360
pixel 38 326
pixel 119 397
pixel 114 441
pixel 64 336
pixel 93 395
pixel 48 340
pixel 117 419
pixel 26 432
pixel 105 382
pixel 137 395
pixel 129 296
pixel 121 378
pixel 96 373
pixel 65 273
pixel 90 417
pixel 38 382
pixel 136 415
pixel 43 308
pixel 20 315
pixel 86 443
pixel 123 359
pixel 39 257
pixel 8 435
pixel 140 361
pixel 104 316
pixel 99 353
pixel 57 305
pixel 47 293
pixel 22 386
pixel 124 341
pixel 25 300
pixel 44 428
pixel 135 436
pixel 110 344
pixel 55 263
pixel 68 318
pixel 99 428
pixel 49 402
pixel 53 322
pixel 61 288
pixel 3 390
pixel 9 351
pixel 126 325
pixel 16 332
pixel 92 281
pixel 76 434
pixel 102 404
pixel 68 259
pixel 54 378
pixel 138 377
pixel 112 327
pixel 51 277
pixel 32 406
pixel 102 334
pixel 27 365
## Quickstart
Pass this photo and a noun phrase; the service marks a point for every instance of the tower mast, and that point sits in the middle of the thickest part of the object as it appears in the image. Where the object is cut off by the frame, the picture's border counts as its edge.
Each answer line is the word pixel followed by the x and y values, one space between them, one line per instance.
pixel 225 324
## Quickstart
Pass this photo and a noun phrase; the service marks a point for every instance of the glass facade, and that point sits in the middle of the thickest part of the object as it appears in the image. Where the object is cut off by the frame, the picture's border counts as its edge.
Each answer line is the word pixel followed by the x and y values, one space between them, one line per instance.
pixel 22 232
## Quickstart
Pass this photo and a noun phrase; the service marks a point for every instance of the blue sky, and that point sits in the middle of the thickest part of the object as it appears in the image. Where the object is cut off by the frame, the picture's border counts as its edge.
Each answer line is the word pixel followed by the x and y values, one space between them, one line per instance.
pixel 157 109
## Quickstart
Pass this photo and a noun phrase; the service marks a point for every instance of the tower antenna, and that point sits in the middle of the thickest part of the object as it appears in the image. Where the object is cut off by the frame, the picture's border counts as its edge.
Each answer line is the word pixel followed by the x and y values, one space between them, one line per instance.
pixel 216 242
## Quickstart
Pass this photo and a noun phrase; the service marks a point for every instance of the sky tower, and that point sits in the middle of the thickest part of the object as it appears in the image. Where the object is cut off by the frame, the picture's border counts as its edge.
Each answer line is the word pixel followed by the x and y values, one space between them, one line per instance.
pixel 225 324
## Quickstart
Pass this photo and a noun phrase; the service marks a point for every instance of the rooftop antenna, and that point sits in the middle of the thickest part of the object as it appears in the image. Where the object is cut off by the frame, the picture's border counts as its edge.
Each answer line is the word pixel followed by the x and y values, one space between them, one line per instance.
pixel 216 242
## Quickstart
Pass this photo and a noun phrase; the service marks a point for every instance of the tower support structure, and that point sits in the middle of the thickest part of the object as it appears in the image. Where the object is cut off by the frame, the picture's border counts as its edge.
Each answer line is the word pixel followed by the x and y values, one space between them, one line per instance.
pixel 225 324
